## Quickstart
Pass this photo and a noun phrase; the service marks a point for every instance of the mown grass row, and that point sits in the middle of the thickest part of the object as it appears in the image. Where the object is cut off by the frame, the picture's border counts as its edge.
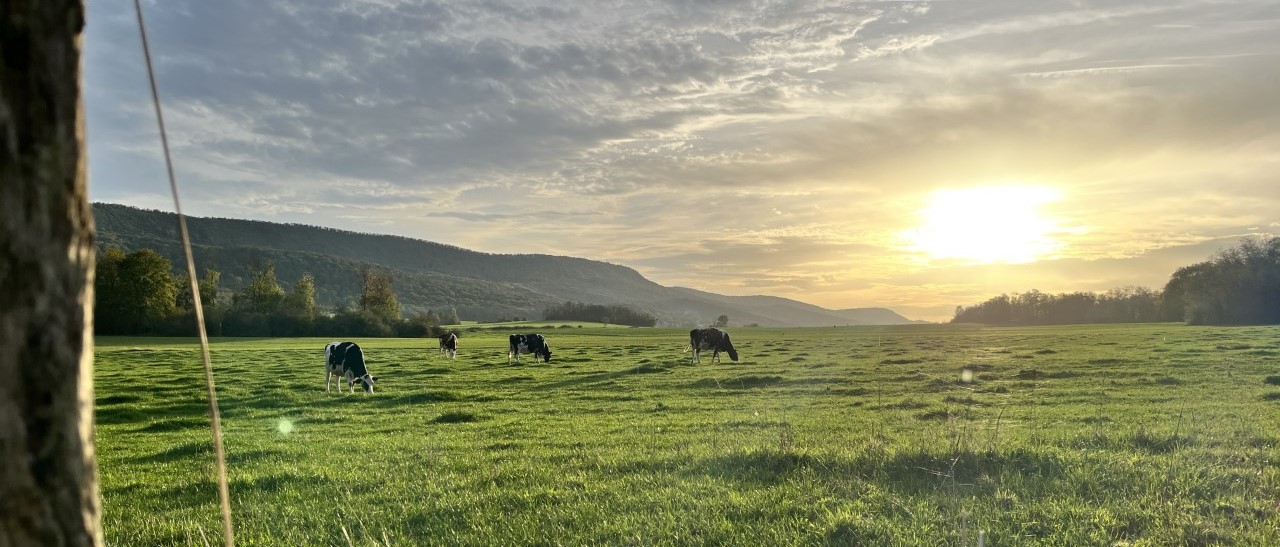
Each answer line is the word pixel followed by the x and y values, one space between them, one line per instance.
pixel 1159 434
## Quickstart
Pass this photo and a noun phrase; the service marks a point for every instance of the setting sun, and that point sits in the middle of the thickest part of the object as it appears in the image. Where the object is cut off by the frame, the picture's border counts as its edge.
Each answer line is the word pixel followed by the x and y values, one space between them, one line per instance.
pixel 990 224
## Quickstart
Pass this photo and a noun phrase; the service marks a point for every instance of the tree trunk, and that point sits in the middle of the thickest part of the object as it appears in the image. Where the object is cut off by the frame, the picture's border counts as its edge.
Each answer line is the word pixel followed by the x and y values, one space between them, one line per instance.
pixel 48 479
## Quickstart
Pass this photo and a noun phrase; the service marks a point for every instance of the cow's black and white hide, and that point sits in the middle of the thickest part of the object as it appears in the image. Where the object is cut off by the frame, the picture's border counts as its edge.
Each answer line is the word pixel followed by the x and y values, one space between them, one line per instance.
pixel 449 344
pixel 528 343
pixel 712 339
pixel 346 361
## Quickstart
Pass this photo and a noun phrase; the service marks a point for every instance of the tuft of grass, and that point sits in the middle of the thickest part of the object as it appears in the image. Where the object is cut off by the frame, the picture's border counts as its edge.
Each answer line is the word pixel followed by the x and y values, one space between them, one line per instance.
pixel 936 414
pixel 909 404
pixel 1157 442
pixel 456 418
pixel 907 361
pixel 966 400
pixel 740 382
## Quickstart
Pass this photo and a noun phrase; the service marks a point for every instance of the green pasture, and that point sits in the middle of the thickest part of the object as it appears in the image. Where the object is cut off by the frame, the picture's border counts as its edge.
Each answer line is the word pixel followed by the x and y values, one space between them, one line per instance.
pixel 1096 435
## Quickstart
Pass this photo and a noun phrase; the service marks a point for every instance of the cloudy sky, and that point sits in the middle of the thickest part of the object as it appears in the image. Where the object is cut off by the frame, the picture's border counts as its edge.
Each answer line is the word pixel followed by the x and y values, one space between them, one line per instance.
pixel 914 155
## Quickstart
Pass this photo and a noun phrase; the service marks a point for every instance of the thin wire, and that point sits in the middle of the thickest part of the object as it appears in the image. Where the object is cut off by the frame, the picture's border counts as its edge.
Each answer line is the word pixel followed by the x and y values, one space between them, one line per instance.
pixel 224 495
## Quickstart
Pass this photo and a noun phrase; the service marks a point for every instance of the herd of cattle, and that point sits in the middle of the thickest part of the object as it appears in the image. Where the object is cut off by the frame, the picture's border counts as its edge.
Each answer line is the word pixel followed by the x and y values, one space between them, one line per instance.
pixel 345 360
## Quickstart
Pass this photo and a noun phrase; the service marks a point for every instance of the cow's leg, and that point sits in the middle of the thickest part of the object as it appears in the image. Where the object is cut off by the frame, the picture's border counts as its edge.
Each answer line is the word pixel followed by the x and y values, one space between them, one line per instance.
pixel 715 356
pixel 328 375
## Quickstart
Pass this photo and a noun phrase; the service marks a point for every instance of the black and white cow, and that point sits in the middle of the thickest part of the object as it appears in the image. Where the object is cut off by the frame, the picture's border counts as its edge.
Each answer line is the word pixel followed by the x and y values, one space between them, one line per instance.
pixel 346 361
pixel 712 339
pixel 449 344
pixel 528 343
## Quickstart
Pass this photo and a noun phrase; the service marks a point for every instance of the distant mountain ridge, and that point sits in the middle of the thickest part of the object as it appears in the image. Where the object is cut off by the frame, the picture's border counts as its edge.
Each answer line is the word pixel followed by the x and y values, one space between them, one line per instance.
pixel 436 276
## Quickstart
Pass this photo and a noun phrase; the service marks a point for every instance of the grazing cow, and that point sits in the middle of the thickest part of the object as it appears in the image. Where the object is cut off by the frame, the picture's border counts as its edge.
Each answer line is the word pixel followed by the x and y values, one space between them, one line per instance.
pixel 346 361
pixel 449 344
pixel 712 339
pixel 528 343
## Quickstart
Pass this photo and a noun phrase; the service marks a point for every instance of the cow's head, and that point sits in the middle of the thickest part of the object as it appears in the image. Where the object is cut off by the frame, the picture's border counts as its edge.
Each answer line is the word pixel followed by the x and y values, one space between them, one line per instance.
pixel 367 381
pixel 546 353
pixel 733 353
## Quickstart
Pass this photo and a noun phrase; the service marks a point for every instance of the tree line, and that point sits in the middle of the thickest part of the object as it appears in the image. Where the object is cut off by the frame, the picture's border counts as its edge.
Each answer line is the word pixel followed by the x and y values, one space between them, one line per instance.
pixel 1237 286
pixel 1125 305
pixel 137 294
pixel 600 313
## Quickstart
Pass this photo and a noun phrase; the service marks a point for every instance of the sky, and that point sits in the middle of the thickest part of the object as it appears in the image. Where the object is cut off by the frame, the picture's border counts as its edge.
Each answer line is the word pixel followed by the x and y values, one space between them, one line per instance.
pixel 910 155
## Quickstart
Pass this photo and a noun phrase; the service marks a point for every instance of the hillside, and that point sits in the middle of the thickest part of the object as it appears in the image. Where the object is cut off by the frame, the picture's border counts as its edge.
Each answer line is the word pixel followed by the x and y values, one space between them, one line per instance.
pixel 434 276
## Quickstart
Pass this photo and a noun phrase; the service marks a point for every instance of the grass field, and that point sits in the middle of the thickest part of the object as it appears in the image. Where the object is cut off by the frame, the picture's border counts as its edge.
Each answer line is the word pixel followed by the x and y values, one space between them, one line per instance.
pixel 1096 435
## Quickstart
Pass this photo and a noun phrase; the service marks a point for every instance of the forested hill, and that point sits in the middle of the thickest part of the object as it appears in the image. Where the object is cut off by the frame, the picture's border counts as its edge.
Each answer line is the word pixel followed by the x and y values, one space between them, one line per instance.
pixel 436 276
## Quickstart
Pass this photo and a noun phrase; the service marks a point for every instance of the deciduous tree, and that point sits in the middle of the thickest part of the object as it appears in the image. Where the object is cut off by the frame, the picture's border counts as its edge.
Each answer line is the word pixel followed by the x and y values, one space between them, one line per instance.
pixel 148 292
pixel 377 296
pixel 263 294
pixel 300 302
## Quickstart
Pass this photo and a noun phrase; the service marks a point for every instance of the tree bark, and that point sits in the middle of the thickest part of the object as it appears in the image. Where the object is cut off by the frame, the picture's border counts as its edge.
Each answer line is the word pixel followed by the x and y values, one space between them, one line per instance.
pixel 48 478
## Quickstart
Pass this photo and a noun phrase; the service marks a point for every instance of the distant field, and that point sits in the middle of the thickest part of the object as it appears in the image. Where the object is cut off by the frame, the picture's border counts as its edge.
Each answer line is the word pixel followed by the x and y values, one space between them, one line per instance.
pixel 509 325
pixel 1151 434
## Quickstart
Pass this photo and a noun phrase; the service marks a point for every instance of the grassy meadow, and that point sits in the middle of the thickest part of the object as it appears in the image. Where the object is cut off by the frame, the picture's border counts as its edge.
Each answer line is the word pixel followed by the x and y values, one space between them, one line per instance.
pixel 1094 435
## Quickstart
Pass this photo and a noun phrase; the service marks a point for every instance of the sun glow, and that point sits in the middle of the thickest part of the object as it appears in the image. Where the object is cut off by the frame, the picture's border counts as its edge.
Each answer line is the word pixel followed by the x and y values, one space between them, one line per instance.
pixel 989 224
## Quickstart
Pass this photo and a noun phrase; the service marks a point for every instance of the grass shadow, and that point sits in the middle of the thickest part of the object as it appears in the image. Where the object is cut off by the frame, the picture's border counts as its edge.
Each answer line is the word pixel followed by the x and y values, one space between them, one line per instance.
pixel 120 416
pixel 180 424
pixel 740 382
pixel 456 418
pixel 273 483
pixel 182 451
pixel 909 472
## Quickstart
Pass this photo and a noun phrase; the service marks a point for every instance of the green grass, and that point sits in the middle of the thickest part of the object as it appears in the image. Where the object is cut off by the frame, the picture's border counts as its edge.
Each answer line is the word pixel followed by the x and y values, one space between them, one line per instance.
pixel 1149 434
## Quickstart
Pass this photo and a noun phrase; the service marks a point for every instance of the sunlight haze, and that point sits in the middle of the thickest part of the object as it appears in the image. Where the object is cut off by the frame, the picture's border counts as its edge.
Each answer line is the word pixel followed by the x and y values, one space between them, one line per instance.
pixel 995 224
pixel 910 155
